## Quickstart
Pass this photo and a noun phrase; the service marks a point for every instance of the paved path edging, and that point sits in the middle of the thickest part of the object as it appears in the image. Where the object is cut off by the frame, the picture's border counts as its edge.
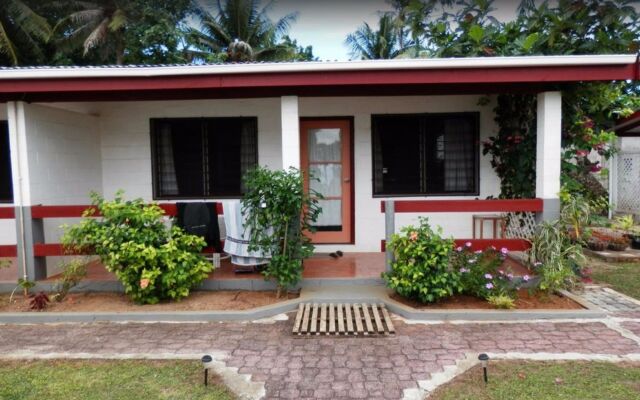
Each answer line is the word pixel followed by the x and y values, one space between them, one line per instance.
pixel 360 294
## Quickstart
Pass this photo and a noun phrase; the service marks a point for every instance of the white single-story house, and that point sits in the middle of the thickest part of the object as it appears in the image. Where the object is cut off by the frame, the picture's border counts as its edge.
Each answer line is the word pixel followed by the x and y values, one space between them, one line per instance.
pixel 370 131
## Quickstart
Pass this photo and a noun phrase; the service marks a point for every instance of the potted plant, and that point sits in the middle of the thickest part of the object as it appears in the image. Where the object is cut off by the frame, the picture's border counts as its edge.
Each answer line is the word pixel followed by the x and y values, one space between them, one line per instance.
pixel 625 224
pixel 597 244
pixel 619 243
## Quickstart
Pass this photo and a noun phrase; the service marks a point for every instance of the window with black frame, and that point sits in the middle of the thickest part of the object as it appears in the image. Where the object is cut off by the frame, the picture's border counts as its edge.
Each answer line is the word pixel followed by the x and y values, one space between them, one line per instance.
pixel 6 185
pixel 425 154
pixel 195 158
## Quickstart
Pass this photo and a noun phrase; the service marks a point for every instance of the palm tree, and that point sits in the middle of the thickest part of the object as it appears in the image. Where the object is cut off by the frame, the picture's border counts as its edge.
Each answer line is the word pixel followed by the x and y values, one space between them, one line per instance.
pixel 240 31
pixel 96 24
pixel 22 32
pixel 367 44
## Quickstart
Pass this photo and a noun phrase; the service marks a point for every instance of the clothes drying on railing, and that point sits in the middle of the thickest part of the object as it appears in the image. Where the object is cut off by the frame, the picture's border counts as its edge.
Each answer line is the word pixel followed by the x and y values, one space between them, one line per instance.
pixel 237 240
pixel 200 219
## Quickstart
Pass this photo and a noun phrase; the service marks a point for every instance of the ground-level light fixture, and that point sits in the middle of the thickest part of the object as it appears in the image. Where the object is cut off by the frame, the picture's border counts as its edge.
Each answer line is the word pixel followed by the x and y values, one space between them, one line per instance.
pixel 206 360
pixel 484 359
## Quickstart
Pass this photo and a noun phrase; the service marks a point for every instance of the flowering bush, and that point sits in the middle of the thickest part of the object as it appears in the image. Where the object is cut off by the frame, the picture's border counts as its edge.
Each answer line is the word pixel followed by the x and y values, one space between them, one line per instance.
pixel 421 269
pixel 153 262
pixel 481 273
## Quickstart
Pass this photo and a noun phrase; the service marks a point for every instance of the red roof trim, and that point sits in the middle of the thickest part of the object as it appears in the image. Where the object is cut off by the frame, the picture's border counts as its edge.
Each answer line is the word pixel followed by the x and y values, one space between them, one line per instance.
pixel 303 80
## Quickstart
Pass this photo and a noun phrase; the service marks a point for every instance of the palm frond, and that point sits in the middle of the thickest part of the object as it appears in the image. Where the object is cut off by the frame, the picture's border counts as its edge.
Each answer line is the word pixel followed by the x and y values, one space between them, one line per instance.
pixel 28 21
pixel 97 36
pixel 7 47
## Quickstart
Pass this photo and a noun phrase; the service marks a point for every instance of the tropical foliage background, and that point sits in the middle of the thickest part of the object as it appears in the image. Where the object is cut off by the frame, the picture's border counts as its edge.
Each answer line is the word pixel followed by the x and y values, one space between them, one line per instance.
pixel 89 32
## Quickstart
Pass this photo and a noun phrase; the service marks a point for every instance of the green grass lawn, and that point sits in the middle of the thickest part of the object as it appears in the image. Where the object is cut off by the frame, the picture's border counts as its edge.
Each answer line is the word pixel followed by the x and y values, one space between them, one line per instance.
pixel 113 380
pixel 625 278
pixel 511 380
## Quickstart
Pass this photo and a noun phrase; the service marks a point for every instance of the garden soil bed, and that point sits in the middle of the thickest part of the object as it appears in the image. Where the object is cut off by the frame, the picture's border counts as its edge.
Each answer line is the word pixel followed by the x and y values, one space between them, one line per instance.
pixel 525 301
pixel 231 300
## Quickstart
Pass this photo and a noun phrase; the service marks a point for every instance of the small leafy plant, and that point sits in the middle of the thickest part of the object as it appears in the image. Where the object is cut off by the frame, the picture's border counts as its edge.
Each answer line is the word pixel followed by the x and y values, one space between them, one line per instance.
pixel 421 268
pixel 152 261
pixel 39 301
pixel 279 213
pixel 502 301
pixel 73 273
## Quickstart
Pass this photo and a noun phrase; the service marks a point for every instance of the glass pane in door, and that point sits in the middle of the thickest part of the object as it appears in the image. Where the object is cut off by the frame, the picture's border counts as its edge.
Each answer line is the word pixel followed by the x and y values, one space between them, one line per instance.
pixel 325 166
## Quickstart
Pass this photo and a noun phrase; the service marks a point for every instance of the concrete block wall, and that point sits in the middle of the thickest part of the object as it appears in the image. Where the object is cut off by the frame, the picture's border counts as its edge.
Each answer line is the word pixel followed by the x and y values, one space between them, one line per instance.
pixel 126 152
pixel 64 163
pixel 126 139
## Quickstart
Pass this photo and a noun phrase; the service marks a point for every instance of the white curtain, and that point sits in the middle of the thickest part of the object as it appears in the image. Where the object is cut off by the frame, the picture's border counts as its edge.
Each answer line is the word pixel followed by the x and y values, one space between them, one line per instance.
pixel 459 157
pixel 248 145
pixel 168 181
pixel 325 155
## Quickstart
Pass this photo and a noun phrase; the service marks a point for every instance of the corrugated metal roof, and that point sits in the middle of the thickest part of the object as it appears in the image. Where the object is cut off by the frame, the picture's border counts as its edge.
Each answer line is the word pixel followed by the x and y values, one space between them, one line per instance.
pixel 311 66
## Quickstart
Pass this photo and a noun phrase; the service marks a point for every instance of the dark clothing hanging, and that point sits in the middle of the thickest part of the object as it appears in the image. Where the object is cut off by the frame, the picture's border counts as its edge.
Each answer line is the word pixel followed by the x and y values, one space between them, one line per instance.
pixel 200 219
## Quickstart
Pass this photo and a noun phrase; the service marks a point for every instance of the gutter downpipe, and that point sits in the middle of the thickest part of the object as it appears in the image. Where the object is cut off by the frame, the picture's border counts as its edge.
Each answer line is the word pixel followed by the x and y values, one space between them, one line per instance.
pixel 16 111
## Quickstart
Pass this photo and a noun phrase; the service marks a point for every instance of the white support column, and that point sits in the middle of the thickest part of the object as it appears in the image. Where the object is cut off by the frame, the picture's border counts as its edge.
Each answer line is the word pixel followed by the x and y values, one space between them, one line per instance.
pixel 548 152
pixel 290 132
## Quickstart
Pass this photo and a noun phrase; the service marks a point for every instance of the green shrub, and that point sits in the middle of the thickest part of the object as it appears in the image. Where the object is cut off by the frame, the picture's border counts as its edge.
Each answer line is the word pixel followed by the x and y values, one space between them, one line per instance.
pixel 153 262
pixel 481 272
pixel 421 268
pixel 279 212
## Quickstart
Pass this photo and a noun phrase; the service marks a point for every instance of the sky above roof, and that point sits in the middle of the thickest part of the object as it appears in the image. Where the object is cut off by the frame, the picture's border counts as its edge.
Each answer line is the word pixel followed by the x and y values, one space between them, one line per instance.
pixel 325 24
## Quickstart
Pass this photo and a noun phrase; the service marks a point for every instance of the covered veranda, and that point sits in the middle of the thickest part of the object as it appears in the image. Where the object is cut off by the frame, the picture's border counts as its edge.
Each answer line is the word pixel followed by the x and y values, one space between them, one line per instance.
pixel 73 130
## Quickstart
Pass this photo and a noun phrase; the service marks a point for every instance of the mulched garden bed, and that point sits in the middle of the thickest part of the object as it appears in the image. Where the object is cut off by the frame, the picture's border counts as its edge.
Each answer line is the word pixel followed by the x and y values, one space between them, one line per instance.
pixel 228 300
pixel 525 301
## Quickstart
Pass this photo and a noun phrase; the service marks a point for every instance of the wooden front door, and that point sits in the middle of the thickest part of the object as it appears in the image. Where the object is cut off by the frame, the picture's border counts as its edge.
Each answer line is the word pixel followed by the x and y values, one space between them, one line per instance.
pixel 326 156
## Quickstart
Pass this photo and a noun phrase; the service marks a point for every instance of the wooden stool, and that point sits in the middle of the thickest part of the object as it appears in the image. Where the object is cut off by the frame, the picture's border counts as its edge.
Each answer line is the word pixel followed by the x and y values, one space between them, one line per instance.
pixel 495 219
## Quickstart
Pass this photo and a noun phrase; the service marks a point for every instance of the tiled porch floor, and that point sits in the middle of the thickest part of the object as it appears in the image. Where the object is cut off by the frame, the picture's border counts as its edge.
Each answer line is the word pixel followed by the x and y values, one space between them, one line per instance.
pixel 351 265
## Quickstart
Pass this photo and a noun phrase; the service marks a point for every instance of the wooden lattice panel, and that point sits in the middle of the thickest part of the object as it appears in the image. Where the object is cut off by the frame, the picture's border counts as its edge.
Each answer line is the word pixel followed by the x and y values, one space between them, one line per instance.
pixel 342 320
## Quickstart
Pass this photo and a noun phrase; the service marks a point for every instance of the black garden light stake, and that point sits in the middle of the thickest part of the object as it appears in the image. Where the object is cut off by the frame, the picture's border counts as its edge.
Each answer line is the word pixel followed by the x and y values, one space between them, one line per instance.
pixel 484 359
pixel 205 364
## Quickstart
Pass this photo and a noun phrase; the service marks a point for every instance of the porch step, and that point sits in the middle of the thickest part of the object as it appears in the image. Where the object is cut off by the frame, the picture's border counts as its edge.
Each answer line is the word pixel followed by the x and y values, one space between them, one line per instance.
pixel 342 320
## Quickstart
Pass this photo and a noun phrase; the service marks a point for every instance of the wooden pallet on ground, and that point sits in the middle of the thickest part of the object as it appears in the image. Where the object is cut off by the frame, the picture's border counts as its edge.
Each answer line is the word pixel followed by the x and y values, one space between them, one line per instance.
pixel 342 320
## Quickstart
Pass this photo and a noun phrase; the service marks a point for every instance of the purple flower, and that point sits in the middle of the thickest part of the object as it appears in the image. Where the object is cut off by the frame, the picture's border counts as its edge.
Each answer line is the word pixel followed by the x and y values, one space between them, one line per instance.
pixel 504 251
pixel 468 244
pixel 510 276
pixel 459 249
pixel 463 270
pixel 489 285
pixel 488 276
pixel 526 278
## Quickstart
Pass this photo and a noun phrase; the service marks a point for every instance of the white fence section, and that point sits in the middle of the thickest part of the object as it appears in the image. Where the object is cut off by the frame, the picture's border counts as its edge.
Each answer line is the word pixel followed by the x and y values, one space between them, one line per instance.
pixel 626 183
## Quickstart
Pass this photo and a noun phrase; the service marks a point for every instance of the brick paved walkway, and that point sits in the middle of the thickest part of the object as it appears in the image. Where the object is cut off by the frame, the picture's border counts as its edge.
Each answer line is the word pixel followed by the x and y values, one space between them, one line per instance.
pixel 609 300
pixel 337 368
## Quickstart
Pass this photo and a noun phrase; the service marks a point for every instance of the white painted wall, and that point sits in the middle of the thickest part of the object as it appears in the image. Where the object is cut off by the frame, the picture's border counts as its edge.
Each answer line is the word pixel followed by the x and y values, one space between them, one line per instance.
pixel 64 163
pixel 126 152
pixel 63 150
pixel 123 146
pixel 7 226
pixel 369 229
pixel 126 138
